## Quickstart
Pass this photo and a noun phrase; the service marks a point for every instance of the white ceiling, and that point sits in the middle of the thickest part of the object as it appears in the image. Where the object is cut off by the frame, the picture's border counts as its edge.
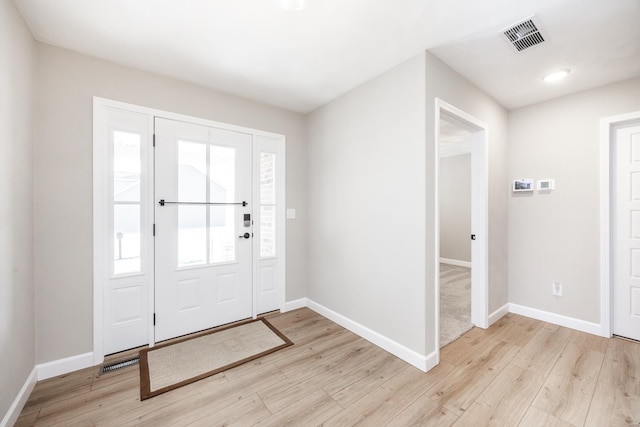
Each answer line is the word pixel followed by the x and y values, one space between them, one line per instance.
pixel 300 60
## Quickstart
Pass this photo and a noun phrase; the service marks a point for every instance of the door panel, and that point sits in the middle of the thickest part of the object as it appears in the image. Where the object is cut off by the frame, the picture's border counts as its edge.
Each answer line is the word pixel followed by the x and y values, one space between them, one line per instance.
pixel 269 203
pixel 626 233
pixel 203 268
pixel 125 254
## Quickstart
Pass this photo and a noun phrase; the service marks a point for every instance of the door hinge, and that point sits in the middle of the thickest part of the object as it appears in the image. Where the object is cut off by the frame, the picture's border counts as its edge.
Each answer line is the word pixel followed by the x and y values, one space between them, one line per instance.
pixel 154 139
pixel 154 319
pixel 154 230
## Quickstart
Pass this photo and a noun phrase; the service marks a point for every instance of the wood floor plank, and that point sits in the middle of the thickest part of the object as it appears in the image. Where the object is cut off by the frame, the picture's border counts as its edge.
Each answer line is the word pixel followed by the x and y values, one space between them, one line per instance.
pixel 613 407
pixel 373 363
pixel 206 402
pixel 244 412
pixel 424 412
pixel 293 357
pixel 621 366
pixel 308 410
pixel 479 415
pixel 568 389
pixel 215 395
pixel 77 382
pixel 27 419
pixel 81 405
pixel 110 378
pixel 505 400
pixel 589 341
pixel 358 389
pixel 537 418
pixel 541 352
pixel 332 367
pixel 100 413
pixel 385 402
pixel 459 351
pixel 460 388
pixel 518 330
pixel 303 326
pixel 323 356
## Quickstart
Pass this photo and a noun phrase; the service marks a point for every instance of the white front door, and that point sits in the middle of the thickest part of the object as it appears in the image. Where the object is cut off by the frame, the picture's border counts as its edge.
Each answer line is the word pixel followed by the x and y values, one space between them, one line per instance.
pixel 203 228
pixel 626 232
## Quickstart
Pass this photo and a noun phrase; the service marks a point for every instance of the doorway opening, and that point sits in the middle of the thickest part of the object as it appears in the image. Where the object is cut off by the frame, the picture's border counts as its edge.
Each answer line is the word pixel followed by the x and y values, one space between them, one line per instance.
pixel 620 226
pixel 461 223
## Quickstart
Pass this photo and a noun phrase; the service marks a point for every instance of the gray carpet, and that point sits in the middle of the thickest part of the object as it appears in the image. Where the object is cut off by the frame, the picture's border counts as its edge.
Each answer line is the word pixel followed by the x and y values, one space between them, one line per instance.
pixel 455 302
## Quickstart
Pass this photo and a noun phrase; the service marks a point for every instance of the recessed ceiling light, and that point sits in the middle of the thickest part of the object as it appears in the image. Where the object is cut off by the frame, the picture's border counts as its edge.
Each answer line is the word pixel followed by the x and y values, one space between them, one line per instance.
pixel 292 4
pixel 556 75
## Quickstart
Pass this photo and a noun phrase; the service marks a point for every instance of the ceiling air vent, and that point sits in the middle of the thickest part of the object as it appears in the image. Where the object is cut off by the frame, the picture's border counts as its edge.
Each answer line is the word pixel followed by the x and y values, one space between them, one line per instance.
pixel 523 35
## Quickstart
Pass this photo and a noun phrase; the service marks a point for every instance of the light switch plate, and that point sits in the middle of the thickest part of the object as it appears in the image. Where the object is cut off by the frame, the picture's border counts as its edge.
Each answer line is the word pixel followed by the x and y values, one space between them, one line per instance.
pixel 291 214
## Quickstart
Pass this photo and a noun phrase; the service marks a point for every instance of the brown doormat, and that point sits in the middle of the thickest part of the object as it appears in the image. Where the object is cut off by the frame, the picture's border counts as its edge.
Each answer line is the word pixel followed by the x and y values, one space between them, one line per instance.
pixel 169 366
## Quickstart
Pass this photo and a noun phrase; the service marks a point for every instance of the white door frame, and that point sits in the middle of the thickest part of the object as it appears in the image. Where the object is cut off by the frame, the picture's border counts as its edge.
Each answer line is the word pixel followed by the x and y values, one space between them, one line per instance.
pixel 606 145
pixel 100 221
pixel 479 217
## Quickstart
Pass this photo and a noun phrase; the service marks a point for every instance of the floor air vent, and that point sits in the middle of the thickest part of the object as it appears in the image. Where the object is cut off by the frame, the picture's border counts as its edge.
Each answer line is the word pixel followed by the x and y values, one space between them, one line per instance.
pixel 119 365
pixel 523 35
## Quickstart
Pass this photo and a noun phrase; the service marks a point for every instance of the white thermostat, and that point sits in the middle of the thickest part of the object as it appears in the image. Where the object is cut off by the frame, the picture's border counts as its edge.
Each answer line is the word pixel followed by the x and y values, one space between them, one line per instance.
pixel 546 185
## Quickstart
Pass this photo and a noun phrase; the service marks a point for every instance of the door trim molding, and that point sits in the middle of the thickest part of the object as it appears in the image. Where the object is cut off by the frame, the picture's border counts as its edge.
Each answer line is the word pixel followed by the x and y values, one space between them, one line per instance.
pixel 479 217
pixel 606 144
pixel 100 156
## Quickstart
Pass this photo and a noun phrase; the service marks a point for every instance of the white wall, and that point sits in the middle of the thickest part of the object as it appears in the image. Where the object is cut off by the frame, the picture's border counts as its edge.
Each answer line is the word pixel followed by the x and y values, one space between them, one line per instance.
pixel 455 207
pixel 446 84
pixel 555 236
pixel 366 206
pixel 66 83
pixel 17 64
pixel 372 210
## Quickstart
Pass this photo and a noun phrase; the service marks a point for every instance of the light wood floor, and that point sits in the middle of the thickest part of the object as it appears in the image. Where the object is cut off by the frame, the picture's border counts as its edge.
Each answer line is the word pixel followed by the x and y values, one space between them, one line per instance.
pixel 519 372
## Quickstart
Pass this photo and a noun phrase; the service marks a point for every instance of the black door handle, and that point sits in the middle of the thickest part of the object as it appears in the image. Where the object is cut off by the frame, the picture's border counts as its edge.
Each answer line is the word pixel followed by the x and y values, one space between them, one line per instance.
pixel 245 236
pixel 473 237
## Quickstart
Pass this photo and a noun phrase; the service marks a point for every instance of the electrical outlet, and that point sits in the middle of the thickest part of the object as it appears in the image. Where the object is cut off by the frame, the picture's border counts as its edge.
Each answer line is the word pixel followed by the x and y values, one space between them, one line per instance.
pixel 556 289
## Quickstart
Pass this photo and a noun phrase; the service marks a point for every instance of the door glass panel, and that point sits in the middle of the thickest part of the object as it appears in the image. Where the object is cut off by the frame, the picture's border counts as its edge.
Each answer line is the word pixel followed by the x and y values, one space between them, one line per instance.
pixel 192 235
pixel 222 189
pixel 222 174
pixel 267 204
pixel 223 234
pixel 192 172
pixel 126 227
pixel 267 231
pixel 267 178
pixel 126 166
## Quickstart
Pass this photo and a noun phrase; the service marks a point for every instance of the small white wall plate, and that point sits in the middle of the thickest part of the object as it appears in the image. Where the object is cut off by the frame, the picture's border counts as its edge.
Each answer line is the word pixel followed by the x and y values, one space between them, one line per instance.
pixel 545 185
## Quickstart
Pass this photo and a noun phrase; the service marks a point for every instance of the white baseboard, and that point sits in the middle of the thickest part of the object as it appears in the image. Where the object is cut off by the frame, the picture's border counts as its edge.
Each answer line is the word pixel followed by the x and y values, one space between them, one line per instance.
pixel 64 366
pixel 498 314
pixel 424 363
pixel 294 305
pixel 557 319
pixel 455 262
pixel 13 413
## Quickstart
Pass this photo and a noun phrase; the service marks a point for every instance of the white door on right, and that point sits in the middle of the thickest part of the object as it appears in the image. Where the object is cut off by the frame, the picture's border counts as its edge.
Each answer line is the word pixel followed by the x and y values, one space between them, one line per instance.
pixel 626 232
